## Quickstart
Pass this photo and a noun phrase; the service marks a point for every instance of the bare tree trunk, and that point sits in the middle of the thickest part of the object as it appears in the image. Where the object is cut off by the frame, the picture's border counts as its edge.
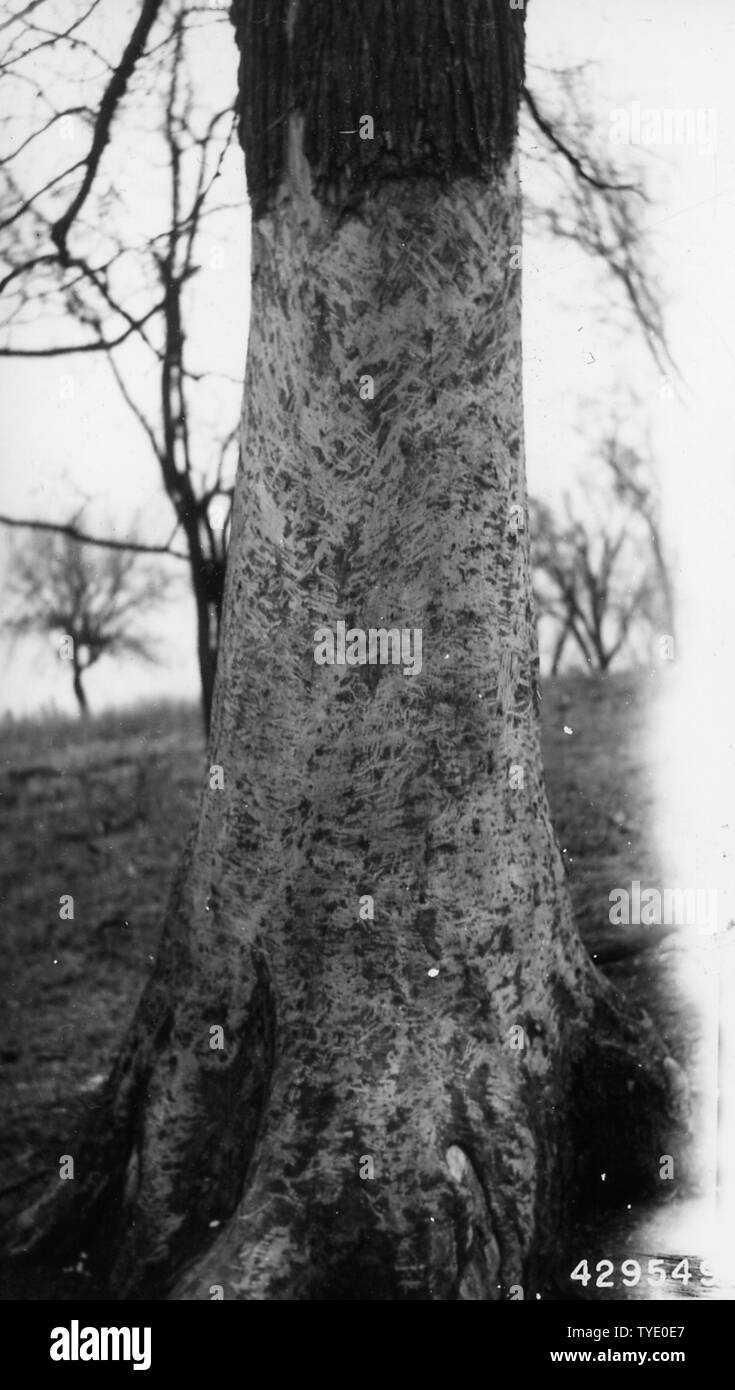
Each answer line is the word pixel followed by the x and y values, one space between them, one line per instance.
pixel 79 691
pixel 559 649
pixel 665 579
pixel 416 1050
pixel 582 644
pixel 207 644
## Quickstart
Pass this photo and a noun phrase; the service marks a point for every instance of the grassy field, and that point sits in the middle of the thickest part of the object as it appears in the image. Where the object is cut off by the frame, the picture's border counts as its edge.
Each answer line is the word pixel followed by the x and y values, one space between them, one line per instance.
pixel 101 812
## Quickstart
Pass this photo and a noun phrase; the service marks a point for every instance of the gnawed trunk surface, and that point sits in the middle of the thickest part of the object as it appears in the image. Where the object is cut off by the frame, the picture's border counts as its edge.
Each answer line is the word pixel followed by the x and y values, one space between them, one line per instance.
pixel 393 1036
pixel 399 1101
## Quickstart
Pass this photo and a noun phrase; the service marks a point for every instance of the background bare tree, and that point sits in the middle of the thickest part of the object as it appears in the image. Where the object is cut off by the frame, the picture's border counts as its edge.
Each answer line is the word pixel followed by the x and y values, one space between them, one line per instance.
pixel 587 200
pixel 93 601
pixel 596 578
pixel 635 484
pixel 114 268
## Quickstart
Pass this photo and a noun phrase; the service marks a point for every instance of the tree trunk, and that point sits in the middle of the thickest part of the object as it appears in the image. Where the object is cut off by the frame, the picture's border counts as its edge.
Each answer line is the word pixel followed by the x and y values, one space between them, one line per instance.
pixel 207 645
pixel 665 579
pixel 559 648
pixel 207 569
pixel 400 1098
pixel 604 658
pixel 79 691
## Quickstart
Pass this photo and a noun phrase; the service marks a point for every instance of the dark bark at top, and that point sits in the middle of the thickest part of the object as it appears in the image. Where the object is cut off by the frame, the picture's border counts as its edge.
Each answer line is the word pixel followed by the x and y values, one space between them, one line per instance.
pixel 440 78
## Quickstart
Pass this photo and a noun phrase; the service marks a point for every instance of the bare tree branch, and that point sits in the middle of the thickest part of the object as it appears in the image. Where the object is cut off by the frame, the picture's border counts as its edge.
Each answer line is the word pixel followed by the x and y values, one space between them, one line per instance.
pixel 134 407
pixel 602 185
pixel 108 106
pixel 98 345
pixel 21 14
pixel 68 529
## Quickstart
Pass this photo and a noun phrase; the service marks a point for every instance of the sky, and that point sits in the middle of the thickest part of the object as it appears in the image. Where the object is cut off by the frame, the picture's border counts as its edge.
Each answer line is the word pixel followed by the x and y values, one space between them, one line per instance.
pixel 63 444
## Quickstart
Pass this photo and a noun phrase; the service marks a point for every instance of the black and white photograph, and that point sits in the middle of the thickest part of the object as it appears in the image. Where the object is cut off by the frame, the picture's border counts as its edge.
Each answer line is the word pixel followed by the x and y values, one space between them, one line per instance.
pixel 367 772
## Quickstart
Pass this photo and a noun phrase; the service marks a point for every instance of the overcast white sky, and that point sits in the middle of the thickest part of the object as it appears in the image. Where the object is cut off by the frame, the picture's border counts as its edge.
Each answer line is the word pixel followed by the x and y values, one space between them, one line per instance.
pixel 660 53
